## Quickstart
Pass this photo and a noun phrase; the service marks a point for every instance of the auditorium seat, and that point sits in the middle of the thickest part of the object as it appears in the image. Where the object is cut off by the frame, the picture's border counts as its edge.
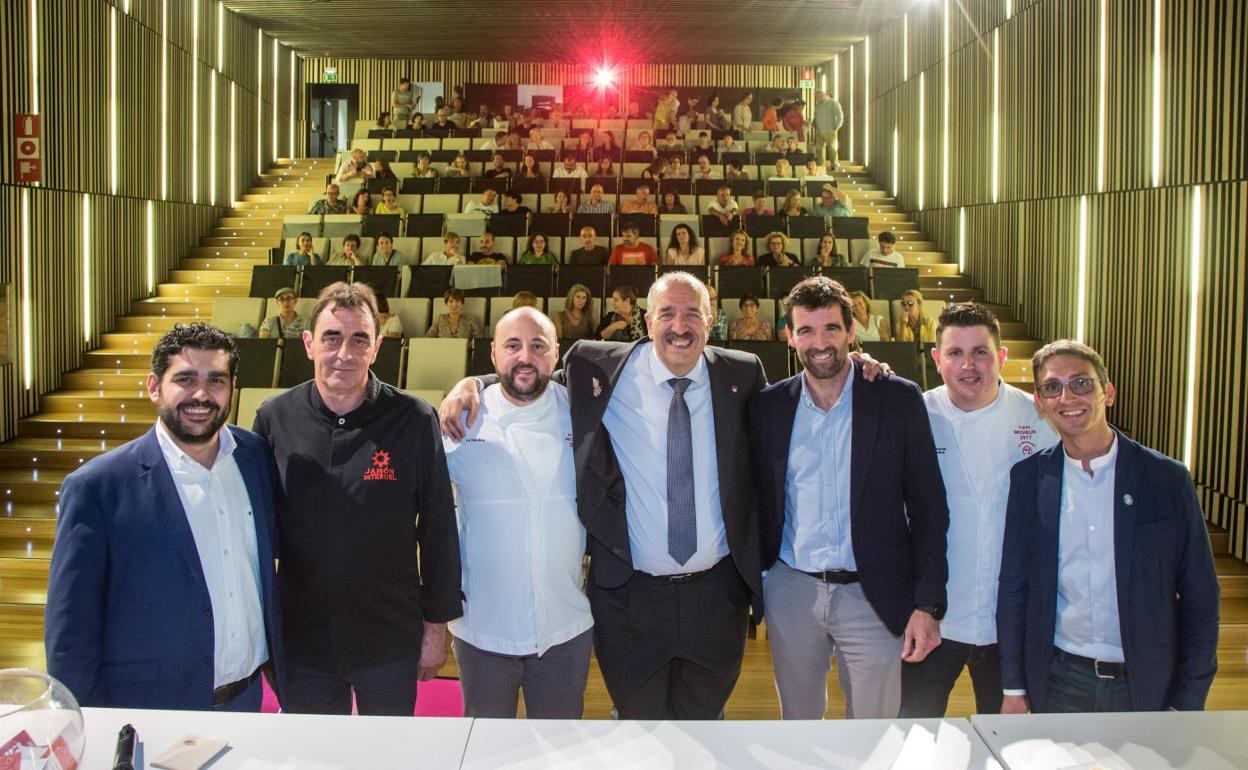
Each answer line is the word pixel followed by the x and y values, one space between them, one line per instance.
pixel 267 279
pixel 435 364
pixel 903 357
pixel 249 401
pixel 774 355
pixel 317 277
pixel 890 282
pixel 230 313
pixel 257 362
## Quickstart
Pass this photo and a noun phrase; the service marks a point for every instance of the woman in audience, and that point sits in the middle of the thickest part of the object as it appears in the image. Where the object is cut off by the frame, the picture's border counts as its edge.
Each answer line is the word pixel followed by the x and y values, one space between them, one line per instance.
pixel 770 115
pixel 827 254
pixel 536 252
pixel 645 143
pixel 418 122
pixel 514 142
pixel 563 204
pixel 391 325
pixel 576 321
pixel 670 203
pixel 716 118
pixel 778 254
pixel 793 205
pixel 738 254
pixel 793 120
pixel 736 170
pixel 403 102
pixel 683 248
pixel 750 326
pixel 608 149
pixel 455 322
pixel 457 114
pixel 870 327
pixel 304 254
pixel 913 325
pixel 760 207
pixel 459 166
pixel 717 330
pixel 523 298
pixel 605 167
pixel 584 148
pixel 382 170
pixel 389 204
pixel 783 170
pixel 383 121
pixel 423 170
pixel 385 255
pixel 449 255
pixel 675 168
pixel 654 171
pixel 529 168
pixel 624 322
pixel 778 144
pixel 361 203
pixel 813 169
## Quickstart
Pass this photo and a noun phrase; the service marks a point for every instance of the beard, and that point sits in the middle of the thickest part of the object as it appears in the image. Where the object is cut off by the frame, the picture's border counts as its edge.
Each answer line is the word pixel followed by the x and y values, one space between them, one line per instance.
pixel 169 415
pixel 507 381
pixel 824 370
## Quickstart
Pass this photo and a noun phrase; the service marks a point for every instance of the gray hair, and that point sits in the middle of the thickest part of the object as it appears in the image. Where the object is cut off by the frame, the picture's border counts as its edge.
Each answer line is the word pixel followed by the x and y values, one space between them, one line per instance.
pixel 681 278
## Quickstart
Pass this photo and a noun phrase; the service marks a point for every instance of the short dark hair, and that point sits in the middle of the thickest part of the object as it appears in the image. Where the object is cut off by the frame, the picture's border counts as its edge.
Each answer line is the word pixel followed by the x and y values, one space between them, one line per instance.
pixel 968 314
pixel 196 336
pixel 748 298
pixel 816 293
pixel 453 294
pixel 1074 349
pixel 886 236
pixel 346 295
pixel 352 238
pixel 627 292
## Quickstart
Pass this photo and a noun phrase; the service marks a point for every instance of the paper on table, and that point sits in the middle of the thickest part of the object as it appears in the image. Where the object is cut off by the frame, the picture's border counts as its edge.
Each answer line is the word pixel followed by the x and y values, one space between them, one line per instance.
pixel 190 753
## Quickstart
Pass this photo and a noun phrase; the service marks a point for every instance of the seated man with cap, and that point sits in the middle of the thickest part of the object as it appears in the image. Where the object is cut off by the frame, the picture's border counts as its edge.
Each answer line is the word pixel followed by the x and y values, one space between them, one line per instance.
pixel 286 322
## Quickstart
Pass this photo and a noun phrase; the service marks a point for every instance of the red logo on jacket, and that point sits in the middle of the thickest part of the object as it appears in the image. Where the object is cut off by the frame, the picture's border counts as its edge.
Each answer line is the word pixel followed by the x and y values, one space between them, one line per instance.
pixel 381 470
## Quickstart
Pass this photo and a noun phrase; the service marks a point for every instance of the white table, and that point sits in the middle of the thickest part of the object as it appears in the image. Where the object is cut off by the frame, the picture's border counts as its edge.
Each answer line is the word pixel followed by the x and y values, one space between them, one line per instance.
pixel 930 744
pixel 1165 740
pixel 285 741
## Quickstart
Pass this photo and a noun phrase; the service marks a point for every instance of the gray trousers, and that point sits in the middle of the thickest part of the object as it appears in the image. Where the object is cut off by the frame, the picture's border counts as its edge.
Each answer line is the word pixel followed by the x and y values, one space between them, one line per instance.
pixel 553 683
pixel 823 145
pixel 808 622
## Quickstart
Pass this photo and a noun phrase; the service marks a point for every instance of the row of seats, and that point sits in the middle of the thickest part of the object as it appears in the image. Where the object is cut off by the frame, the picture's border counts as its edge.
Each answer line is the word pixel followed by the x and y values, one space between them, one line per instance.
pixel 248 400
pixel 623 131
pixel 763 181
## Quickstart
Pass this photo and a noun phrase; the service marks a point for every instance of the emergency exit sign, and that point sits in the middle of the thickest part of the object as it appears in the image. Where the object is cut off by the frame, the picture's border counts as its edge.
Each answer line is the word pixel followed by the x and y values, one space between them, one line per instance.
pixel 331 74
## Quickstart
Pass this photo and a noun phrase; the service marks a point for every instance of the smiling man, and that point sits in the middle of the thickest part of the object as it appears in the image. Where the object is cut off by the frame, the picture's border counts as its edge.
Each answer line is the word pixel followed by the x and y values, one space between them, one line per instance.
pixel 161 592
pixel 665 494
pixel 370 554
pixel 982 426
pixel 853 518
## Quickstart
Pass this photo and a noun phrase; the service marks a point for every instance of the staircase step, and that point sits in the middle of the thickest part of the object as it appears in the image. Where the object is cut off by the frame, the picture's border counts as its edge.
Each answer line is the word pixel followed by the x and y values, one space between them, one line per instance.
pixel 77 401
pixel 212 277
pixel 118 358
pixel 108 428
pixel 201 291
pixel 942 269
pixel 30 453
pixel 109 380
pixel 24 581
pixel 174 307
pixel 939 282
pixel 232 252
pixel 147 323
pixel 256 240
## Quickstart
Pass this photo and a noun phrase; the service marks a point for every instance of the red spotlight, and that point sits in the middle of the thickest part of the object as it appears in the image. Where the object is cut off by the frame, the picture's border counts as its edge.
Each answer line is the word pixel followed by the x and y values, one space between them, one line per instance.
pixel 604 77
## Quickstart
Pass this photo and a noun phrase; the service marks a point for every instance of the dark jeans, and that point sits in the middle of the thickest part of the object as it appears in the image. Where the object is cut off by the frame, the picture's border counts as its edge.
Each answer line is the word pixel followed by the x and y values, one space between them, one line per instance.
pixel 247 701
pixel 925 686
pixel 386 690
pixel 1075 688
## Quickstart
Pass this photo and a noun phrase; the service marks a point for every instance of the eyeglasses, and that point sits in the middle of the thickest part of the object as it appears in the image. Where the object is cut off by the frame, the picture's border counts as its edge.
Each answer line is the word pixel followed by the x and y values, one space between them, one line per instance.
pixel 1080 386
pixel 908 303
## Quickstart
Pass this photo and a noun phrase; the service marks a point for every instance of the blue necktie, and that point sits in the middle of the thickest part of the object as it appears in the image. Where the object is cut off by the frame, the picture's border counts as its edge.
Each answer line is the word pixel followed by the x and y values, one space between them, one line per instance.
pixel 682 524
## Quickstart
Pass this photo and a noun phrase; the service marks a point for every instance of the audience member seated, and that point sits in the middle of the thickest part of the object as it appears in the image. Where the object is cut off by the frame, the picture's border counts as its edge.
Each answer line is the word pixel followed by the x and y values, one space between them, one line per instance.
pixel 595 203
pixel 529 168
pixel 717 329
pixel 868 326
pixel 705 170
pixel 783 170
pixel 442 126
pixel 716 118
pixel 457 116
pixel 828 255
pixel 304 254
pixel 683 247
pixel 792 206
pixel 736 170
pixel 624 323
pixel 730 146
pixel 738 254
pixel 562 204
pixel 590 253
pixel 576 321
pixel 913 325
pixel 750 327
pixel 654 171
pixel 536 142
pixel 771 118
pixel 483 119
pixel 778 254
pixel 498 168
pixel 404 100
pixel 513 141
pixel 486 204
pixel 632 251
pixel 608 148
pixel 523 298
pixel 704 146
pixel 724 207
pixel 671 143
pixel 640 203
pixel 350 254
pixel 742 114
pixel 459 166
pixel 670 203
pixel 383 121
pixel 391 325
pixel 354 167
pixel 675 168
pixel 832 203
pixel 361 203
pixel 418 122
pixel 536 252
pixel 285 323
pixel 886 254
pixel 499 142
pixel 513 203
pixel 813 169
pixel 570 170
pixel 778 144
pixel 791 150
pixel 584 150
pixel 760 207
pixel 331 203
pixel 423 168
pixel 449 255
pixel 389 204
pixel 386 255
pixel 382 170
pixel 485 254
pixel 645 143
pixel 604 167
pixel 455 322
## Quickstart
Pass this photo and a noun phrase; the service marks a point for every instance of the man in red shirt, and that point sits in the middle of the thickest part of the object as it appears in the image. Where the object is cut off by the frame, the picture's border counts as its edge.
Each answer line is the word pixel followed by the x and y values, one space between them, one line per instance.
pixel 632 251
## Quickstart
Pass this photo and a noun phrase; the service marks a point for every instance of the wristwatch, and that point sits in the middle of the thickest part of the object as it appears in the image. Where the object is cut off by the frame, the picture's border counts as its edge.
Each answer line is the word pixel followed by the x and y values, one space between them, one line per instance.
pixel 937 611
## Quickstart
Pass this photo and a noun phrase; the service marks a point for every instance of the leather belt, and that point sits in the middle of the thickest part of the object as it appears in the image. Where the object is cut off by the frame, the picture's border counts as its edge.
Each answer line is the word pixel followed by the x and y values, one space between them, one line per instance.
pixel 838 576
pixel 1104 669
pixel 228 692
pixel 683 577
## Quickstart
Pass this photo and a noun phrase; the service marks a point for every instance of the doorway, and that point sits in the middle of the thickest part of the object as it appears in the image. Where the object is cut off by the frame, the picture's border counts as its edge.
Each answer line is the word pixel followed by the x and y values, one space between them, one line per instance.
pixel 333 109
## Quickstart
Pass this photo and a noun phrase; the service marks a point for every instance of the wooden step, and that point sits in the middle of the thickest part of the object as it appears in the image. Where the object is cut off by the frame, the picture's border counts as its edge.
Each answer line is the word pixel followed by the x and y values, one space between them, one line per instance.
pixel 109 379
pixel 1232 576
pixel 147 323
pixel 255 241
pixel 200 292
pixel 118 358
pixel 66 454
pixel 942 269
pixel 78 401
pixel 24 581
pixel 196 308
pixel 1021 349
pixel 938 282
pixel 107 428
pixel 212 277
pixel 232 252
pixel 919 258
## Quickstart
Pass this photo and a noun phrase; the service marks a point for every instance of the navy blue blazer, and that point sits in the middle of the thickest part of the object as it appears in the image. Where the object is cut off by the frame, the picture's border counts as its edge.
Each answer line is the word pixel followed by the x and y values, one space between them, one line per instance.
pixel 898 512
pixel 1167 588
pixel 129 620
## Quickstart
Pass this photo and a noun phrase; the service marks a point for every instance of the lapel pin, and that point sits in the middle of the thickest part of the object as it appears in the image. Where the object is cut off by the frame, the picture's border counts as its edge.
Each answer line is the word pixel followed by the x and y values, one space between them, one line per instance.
pixel 597 387
pixel 734 388
pixel 1128 499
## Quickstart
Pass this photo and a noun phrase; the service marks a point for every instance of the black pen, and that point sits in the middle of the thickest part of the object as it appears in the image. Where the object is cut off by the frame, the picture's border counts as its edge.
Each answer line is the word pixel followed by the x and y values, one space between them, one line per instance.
pixel 124 760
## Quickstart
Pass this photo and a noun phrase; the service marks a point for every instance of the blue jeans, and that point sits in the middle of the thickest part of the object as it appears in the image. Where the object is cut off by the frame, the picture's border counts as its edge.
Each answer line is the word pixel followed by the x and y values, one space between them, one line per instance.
pixel 386 690
pixel 1074 688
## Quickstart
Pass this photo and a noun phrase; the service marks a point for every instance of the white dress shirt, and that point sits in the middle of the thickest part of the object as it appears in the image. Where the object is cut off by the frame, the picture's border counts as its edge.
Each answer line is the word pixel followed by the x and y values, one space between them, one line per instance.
pixel 636 419
pixel 520 540
pixel 976 451
pixel 1087 583
pixel 816 534
pixel 219 512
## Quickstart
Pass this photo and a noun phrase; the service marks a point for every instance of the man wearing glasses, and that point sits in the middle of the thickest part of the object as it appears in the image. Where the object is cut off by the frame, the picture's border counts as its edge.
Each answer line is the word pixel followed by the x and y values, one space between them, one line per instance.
pixel 369 559
pixel 1108 599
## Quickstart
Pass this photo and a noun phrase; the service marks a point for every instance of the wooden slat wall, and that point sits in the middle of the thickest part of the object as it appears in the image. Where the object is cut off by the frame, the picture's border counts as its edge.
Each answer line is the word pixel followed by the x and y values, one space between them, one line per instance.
pixel 73 102
pixel 1024 250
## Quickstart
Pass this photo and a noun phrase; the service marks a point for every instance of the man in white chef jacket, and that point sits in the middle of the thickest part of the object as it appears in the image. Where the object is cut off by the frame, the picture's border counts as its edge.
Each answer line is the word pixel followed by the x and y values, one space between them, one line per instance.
pixel 981 426
pixel 526 625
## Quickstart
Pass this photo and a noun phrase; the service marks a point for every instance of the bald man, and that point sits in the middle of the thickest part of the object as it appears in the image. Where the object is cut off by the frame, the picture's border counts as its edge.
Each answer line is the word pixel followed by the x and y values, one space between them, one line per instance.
pixel 526 623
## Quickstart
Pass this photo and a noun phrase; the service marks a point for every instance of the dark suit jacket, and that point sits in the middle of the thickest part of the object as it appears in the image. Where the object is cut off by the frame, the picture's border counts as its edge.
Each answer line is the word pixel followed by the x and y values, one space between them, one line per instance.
pixel 898 514
pixel 591 370
pixel 129 620
pixel 1167 587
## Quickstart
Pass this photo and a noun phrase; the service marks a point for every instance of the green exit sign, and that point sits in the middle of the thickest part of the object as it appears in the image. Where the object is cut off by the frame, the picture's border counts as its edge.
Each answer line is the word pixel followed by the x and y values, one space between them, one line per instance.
pixel 331 74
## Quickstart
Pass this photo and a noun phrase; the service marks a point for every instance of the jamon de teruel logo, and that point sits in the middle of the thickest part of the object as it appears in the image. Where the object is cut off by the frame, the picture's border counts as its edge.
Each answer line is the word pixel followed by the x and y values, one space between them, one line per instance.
pixel 381 470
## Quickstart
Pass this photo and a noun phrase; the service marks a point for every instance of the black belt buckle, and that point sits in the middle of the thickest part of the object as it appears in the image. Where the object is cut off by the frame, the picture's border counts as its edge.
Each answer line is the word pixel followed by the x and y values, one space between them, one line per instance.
pixel 837 576
pixel 683 577
pixel 222 695
pixel 1112 669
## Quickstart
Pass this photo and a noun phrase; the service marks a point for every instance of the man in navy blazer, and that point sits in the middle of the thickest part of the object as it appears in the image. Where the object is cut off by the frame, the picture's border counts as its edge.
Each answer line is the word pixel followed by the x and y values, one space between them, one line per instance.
pixel 853 516
pixel 161 593
pixel 1108 597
